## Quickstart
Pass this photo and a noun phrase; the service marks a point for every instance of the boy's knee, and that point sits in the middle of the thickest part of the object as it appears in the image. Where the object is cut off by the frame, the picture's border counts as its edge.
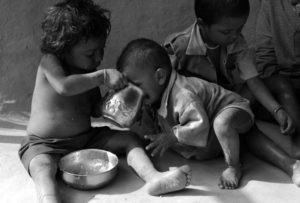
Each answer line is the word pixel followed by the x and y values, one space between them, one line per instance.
pixel 41 164
pixel 221 125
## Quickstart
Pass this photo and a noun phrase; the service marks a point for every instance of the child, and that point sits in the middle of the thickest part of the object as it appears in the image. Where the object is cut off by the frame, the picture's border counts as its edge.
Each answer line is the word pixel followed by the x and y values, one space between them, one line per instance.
pixel 187 106
pixel 194 115
pixel 278 54
pixel 214 49
pixel 66 95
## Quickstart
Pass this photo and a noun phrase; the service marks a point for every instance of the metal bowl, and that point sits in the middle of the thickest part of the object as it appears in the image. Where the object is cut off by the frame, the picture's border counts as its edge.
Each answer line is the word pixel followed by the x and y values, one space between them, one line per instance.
pixel 89 168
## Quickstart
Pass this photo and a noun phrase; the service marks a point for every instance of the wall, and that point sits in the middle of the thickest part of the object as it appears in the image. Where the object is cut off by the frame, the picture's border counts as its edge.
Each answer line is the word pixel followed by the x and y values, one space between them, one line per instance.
pixel 20 33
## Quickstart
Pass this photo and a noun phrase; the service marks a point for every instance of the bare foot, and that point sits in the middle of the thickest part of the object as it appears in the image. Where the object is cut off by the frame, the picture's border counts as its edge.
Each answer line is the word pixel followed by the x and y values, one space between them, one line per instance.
pixel 173 180
pixel 296 173
pixel 230 178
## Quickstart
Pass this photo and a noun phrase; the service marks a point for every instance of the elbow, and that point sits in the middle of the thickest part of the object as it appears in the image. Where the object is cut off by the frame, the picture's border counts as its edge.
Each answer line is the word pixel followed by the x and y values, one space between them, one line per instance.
pixel 63 90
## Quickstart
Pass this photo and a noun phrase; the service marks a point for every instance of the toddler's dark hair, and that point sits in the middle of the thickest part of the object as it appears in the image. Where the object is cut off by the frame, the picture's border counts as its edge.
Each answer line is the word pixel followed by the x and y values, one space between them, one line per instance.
pixel 144 52
pixel 69 21
pixel 210 11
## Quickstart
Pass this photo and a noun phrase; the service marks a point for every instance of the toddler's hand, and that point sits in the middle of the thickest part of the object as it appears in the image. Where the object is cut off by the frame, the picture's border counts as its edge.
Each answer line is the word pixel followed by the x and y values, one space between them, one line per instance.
pixel 114 79
pixel 287 126
pixel 160 142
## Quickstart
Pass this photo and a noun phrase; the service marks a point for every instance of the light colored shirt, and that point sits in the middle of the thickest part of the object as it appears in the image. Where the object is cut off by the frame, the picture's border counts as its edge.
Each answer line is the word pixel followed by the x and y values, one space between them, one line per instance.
pixel 188 108
pixel 278 39
pixel 189 53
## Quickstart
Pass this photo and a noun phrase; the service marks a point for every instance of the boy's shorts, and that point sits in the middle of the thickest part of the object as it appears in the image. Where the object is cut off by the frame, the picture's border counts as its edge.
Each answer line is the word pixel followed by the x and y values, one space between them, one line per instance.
pixel 242 105
pixel 33 145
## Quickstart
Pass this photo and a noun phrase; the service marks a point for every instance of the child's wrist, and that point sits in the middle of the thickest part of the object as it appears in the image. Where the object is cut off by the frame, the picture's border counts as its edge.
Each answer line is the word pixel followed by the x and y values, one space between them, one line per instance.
pixel 100 77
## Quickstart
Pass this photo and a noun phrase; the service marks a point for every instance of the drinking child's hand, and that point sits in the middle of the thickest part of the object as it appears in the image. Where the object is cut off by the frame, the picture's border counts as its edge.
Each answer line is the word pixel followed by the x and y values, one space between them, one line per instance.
pixel 114 79
pixel 160 142
pixel 287 126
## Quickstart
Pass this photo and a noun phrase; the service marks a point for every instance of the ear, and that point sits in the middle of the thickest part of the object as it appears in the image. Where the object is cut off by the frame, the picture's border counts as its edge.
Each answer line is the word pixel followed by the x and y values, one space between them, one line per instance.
pixel 160 76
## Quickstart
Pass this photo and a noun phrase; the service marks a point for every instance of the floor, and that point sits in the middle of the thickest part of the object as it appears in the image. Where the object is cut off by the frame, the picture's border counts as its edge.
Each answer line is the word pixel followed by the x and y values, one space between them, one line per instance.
pixel 262 183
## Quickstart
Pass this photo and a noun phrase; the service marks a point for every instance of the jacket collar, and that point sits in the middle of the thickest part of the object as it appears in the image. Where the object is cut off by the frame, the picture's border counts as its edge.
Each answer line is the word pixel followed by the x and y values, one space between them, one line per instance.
pixel 196 44
pixel 162 111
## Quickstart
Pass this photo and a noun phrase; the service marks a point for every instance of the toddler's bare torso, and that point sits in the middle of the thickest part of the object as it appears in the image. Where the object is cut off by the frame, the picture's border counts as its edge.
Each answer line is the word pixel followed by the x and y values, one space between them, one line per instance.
pixel 57 116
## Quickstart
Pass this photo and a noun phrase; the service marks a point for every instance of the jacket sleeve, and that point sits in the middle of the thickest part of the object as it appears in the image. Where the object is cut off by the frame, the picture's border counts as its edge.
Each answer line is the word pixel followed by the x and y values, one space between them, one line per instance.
pixel 193 127
pixel 265 52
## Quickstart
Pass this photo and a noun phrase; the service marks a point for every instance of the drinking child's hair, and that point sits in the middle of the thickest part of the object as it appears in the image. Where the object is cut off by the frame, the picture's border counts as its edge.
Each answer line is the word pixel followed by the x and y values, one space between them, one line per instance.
pixel 69 21
pixel 144 52
pixel 210 11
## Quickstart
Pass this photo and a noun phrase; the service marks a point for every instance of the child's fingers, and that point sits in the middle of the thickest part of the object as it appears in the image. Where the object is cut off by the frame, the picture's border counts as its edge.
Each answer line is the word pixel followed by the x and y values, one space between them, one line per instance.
pixel 151 145
pixel 125 81
pixel 288 128
pixel 156 151
pixel 122 83
pixel 162 151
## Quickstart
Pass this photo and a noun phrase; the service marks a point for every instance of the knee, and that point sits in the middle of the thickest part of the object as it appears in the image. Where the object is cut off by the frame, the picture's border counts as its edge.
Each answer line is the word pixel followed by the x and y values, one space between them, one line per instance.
pixel 42 164
pixel 221 125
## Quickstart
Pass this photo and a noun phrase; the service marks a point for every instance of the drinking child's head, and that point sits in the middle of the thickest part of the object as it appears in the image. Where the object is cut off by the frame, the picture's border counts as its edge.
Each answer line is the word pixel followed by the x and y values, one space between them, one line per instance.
pixel 221 21
pixel 76 31
pixel 146 64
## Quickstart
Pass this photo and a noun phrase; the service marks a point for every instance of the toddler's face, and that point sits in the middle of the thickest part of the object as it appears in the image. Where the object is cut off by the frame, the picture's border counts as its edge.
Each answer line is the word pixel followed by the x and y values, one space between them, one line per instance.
pixel 226 30
pixel 144 78
pixel 86 54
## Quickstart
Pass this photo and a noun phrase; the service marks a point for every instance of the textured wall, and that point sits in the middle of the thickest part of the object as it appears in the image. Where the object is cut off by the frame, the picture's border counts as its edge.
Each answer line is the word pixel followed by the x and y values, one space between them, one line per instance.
pixel 20 32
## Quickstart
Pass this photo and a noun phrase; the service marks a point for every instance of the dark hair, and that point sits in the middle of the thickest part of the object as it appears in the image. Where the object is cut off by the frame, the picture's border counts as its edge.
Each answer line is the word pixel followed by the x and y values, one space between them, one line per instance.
pixel 210 11
pixel 144 51
pixel 68 22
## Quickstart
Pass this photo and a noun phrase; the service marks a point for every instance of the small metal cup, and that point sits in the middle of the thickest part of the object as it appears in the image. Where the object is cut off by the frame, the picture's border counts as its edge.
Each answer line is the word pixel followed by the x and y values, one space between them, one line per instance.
pixel 123 106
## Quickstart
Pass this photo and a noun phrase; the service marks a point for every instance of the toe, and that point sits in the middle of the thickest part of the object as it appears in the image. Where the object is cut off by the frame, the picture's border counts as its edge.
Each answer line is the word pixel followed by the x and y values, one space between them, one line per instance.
pixel 186 169
pixel 221 184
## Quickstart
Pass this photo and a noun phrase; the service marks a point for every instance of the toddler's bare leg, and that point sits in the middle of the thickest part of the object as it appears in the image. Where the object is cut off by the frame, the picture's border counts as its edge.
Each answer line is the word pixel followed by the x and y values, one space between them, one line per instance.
pixel 227 127
pixel 156 182
pixel 43 168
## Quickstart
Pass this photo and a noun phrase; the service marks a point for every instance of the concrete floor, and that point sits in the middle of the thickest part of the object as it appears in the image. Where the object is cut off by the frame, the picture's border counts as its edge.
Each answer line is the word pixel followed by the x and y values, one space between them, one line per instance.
pixel 262 183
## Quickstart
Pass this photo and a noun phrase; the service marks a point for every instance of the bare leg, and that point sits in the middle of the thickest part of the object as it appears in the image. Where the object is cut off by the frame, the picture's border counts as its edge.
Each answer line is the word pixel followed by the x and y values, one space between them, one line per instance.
pixel 264 148
pixel 283 92
pixel 227 127
pixel 156 182
pixel 43 169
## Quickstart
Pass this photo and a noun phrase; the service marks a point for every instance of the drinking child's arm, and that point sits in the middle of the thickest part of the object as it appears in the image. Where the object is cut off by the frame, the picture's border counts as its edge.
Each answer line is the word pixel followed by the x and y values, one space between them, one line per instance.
pixel 193 129
pixel 263 95
pixel 194 125
pixel 69 85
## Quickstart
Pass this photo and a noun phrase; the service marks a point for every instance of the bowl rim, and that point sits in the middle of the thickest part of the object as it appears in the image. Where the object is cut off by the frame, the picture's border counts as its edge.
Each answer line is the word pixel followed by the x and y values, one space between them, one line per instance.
pixel 93 149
